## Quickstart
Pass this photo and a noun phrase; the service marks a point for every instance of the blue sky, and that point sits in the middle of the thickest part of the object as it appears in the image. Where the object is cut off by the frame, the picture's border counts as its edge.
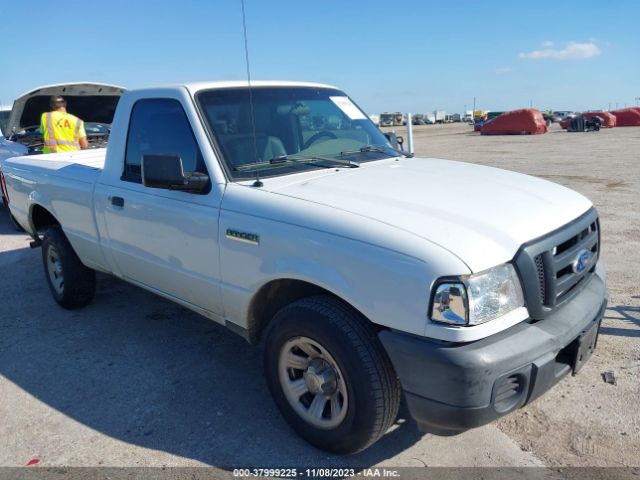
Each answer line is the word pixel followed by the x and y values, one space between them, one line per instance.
pixel 402 55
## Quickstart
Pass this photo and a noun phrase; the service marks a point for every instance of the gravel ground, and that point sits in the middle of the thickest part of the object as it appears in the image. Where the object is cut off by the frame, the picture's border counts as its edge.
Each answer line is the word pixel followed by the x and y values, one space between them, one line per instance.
pixel 134 380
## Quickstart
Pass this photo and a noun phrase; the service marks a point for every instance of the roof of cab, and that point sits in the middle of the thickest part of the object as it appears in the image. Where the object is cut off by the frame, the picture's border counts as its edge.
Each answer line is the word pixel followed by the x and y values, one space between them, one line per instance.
pixel 195 87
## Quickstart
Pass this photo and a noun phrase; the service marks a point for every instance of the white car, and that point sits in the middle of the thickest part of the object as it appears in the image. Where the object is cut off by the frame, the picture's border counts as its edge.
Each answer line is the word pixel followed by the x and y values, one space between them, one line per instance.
pixel 365 274
pixel 94 103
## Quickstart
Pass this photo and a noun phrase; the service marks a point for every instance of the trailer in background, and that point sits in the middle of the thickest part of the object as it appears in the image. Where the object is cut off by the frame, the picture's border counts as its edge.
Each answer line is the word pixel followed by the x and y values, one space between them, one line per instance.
pixel 386 119
pixel 468 116
pixel 440 116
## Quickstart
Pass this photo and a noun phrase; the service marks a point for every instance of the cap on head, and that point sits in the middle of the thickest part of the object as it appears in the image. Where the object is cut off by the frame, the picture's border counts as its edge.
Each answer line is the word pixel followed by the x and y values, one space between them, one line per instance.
pixel 57 101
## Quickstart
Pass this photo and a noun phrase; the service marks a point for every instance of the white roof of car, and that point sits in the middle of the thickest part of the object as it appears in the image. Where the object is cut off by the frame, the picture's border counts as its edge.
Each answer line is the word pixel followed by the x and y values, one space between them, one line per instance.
pixel 197 86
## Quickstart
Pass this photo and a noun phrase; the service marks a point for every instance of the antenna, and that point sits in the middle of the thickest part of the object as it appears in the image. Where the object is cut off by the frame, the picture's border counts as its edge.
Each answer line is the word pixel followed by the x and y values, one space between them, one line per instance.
pixel 257 183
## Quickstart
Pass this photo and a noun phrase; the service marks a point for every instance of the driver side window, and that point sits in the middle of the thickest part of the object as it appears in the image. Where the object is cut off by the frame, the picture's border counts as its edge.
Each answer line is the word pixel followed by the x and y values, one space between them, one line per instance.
pixel 160 127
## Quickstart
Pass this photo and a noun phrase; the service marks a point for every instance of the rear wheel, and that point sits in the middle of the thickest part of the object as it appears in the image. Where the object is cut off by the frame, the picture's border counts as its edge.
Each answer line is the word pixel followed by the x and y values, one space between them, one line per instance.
pixel 329 375
pixel 71 283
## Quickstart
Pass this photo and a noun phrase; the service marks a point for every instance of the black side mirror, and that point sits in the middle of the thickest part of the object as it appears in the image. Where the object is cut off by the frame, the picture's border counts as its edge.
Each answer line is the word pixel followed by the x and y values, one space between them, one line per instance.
pixel 392 138
pixel 166 171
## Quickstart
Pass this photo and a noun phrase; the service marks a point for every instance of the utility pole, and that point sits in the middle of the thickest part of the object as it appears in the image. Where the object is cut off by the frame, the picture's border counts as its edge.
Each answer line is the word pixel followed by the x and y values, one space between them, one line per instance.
pixel 409 133
pixel 474 106
pixel 638 101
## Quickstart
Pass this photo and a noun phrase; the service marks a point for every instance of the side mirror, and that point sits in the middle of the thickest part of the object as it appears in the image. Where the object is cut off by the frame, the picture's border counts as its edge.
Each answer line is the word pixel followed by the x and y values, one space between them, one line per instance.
pixel 392 138
pixel 166 171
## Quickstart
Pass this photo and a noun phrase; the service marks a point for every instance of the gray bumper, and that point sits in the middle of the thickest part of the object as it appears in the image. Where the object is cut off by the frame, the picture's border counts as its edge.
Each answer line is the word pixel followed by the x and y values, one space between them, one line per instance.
pixel 450 388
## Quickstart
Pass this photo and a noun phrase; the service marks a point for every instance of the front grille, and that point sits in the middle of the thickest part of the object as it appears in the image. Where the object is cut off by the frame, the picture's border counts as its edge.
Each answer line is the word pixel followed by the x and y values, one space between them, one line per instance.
pixel 548 266
pixel 541 279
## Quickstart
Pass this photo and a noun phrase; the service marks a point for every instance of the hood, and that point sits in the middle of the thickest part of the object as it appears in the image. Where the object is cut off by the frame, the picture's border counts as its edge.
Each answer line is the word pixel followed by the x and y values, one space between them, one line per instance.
pixel 92 102
pixel 480 214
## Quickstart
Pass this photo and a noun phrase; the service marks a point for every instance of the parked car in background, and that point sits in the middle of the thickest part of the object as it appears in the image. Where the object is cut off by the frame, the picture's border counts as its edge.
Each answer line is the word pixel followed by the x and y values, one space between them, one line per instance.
pixel 94 103
pixel 559 116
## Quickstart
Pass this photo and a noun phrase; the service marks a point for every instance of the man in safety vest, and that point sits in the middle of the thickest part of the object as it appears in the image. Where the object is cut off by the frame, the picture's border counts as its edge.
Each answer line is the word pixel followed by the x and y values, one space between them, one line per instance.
pixel 62 132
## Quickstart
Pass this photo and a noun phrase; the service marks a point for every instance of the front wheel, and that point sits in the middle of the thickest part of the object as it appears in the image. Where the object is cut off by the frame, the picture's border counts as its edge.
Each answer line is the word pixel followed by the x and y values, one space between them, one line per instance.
pixel 71 283
pixel 329 375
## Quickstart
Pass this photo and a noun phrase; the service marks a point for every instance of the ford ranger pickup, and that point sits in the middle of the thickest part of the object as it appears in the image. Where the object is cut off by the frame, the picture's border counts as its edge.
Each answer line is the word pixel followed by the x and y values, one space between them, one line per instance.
pixel 279 210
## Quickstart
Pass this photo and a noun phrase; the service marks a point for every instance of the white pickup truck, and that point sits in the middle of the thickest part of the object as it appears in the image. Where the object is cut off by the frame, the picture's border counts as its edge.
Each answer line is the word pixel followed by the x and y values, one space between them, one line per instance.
pixel 282 212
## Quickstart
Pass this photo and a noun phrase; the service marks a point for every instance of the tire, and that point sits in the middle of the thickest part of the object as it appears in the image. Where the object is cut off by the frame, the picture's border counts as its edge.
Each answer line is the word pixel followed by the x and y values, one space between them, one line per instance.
pixel 71 283
pixel 346 373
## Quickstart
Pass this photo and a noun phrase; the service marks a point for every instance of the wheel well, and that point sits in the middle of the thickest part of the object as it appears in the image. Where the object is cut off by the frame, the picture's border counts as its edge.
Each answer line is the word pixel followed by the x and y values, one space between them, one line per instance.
pixel 274 296
pixel 42 218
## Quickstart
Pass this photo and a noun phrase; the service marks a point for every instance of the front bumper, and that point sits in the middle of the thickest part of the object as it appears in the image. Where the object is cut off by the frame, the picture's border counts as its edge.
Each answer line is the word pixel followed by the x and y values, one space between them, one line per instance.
pixel 450 388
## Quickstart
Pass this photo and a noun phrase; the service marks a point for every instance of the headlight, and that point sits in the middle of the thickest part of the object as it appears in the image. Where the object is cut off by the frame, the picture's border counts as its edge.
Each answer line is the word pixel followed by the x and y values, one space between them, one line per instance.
pixel 477 298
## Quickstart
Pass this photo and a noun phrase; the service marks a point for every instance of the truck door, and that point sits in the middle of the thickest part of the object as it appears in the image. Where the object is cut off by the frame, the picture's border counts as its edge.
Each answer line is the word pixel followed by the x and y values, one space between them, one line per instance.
pixel 159 238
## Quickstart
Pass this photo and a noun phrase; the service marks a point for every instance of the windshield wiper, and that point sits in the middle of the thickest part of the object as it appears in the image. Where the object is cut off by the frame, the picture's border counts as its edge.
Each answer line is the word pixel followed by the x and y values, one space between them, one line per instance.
pixel 378 149
pixel 291 160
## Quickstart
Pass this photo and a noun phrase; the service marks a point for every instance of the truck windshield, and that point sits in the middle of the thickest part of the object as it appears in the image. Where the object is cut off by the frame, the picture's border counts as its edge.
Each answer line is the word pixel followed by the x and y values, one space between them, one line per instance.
pixel 289 122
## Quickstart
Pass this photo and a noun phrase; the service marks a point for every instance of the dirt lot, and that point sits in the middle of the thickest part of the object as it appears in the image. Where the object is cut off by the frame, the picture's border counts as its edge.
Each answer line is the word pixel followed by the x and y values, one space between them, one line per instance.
pixel 133 380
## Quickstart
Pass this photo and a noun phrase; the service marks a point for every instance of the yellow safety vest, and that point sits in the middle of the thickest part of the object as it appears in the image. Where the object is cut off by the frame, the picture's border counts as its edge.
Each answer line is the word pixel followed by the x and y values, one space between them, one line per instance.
pixel 61 132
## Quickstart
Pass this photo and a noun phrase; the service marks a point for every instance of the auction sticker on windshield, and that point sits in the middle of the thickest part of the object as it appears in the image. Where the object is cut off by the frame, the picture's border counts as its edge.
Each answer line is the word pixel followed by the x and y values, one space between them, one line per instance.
pixel 347 106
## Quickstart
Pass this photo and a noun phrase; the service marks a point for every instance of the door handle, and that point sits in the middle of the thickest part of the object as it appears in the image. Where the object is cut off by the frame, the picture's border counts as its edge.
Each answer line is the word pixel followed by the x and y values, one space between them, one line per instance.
pixel 117 201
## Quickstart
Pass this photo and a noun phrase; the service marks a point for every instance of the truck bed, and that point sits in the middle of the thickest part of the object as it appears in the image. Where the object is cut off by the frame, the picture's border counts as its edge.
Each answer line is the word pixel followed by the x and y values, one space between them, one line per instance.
pixel 83 165
pixel 62 184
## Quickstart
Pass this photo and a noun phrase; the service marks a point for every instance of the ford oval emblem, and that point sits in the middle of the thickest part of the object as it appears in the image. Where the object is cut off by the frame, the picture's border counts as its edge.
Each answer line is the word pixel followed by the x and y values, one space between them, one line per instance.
pixel 582 261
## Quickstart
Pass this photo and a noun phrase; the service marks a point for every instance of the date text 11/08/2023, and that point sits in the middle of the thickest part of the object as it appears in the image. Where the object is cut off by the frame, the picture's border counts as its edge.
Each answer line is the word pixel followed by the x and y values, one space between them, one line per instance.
pixel 315 472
